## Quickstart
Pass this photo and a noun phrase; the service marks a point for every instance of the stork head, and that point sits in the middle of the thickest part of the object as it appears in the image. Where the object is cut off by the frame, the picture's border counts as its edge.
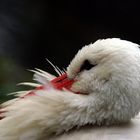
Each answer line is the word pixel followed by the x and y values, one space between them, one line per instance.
pixel 109 70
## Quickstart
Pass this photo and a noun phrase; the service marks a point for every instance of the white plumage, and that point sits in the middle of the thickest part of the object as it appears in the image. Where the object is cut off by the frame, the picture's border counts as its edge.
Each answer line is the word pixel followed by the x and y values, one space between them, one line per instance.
pixel 107 74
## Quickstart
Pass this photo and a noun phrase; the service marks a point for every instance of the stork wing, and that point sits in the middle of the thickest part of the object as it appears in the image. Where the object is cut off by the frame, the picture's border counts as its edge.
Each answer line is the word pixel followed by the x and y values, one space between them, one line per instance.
pixel 128 131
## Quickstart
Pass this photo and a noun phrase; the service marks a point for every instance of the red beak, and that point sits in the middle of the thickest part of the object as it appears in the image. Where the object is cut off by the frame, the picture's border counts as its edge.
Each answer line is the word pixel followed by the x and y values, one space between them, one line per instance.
pixel 59 83
pixel 62 82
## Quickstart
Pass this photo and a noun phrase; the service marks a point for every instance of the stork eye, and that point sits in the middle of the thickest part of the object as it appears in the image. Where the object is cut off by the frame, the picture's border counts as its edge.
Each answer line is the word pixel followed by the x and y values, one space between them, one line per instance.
pixel 86 65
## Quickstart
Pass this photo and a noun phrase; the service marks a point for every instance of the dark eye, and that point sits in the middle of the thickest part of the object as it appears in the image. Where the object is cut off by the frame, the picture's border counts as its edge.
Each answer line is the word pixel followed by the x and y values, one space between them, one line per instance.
pixel 86 65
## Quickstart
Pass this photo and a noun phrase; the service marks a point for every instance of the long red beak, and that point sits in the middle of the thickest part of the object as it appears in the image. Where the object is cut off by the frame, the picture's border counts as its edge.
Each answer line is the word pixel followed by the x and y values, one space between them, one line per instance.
pixel 60 83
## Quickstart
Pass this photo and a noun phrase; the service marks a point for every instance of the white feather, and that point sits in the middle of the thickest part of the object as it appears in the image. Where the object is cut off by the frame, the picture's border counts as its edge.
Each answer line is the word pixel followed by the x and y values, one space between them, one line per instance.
pixel 30 84
pixel 48 75
pixel 42 77
pixel 58 71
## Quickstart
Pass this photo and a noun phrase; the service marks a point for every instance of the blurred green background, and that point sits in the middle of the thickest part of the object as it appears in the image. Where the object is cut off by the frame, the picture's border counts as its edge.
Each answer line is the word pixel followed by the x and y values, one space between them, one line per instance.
pixel 11 74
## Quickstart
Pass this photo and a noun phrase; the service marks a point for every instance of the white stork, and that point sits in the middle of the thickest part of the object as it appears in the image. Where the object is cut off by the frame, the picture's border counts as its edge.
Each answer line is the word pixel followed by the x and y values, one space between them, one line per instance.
pixel 97 98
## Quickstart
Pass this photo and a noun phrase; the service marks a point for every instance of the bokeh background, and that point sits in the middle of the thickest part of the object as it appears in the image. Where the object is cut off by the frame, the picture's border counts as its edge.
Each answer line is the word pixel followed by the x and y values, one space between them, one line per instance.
pixel 32 30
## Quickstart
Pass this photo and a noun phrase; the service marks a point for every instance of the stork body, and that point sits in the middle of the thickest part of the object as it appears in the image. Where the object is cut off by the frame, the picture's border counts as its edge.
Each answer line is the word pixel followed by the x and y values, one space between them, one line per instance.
pixel 127 131
pixel 107 76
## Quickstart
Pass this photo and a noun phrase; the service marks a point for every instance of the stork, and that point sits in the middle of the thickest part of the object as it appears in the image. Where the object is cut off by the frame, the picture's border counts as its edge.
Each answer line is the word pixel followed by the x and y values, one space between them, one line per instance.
pixel 97 96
